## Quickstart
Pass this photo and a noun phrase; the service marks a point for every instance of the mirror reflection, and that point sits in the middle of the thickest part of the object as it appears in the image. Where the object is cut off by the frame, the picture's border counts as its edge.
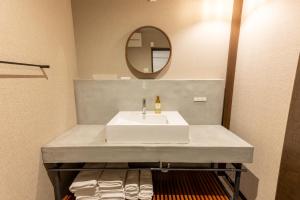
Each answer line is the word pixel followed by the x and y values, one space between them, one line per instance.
pixel 148 50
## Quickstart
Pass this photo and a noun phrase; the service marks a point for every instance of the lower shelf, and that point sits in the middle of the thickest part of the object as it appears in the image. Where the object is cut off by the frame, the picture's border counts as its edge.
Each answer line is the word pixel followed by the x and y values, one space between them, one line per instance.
pixel 188 186
pixel 185 186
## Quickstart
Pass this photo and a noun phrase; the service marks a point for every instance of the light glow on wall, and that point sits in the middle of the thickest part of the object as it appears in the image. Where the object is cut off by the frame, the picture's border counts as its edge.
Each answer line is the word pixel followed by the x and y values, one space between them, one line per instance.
pixel 216 9
pixel 222 9
pixel 251 5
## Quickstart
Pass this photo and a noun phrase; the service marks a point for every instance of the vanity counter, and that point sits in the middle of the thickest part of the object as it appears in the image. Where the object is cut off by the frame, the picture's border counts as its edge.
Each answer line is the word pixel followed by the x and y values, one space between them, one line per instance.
pixel 208 144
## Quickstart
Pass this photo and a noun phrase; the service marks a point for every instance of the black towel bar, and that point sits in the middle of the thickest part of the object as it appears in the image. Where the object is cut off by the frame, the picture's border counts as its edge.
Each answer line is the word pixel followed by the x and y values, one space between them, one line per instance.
pixel 25 64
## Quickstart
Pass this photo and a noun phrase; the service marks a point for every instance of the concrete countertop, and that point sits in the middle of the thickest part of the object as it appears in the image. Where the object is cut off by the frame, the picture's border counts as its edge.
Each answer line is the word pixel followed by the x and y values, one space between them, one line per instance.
pixel 209 143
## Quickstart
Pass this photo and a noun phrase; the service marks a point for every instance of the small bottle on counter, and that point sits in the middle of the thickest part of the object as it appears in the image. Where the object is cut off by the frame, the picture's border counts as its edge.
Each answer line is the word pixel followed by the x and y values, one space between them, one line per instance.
pixel 157 105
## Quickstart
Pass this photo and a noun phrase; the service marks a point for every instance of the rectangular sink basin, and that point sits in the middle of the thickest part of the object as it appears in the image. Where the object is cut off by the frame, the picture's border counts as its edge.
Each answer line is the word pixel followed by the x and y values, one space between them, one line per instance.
pixel 135 127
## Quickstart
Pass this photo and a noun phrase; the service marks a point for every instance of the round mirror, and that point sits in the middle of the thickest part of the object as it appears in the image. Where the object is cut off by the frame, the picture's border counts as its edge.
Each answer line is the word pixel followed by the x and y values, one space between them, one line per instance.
pixel 148 50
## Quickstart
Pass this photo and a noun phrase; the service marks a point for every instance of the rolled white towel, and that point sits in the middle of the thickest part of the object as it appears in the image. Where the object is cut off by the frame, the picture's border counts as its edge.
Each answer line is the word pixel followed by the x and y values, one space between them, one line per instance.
pixel 132 185
pixel 132 180
pixel 146 180
pixel 112 179
pixel 146 185
pixel 131 193
pixel 132 197
pixel 145 195
pixel 85 180
pixel 129 188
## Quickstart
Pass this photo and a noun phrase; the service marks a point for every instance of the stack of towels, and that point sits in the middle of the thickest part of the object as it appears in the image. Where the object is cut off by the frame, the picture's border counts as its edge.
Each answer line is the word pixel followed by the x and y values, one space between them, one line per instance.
pixel 132 185
pixel 111 184
pixel 146 186
pixel 85 186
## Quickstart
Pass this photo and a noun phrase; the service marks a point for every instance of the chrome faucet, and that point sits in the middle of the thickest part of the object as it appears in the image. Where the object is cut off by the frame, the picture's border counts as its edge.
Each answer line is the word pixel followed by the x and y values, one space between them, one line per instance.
pixel 144 106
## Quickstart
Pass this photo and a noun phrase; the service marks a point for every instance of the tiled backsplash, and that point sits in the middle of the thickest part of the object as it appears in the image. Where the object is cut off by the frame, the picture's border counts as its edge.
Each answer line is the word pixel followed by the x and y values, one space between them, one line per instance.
pixel 98 101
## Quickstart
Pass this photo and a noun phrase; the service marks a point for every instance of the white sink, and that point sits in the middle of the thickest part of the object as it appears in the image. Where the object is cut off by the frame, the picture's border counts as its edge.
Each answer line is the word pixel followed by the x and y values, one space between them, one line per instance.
pixel 135 127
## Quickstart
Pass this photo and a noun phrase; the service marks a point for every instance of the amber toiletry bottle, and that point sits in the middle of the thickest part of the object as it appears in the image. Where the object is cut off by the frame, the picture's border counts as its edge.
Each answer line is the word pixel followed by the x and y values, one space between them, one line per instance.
pixel 157 105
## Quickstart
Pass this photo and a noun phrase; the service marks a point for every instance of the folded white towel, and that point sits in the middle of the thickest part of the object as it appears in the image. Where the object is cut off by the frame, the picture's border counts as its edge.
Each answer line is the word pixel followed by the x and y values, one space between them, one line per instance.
pixel 85 180
pixel 112 179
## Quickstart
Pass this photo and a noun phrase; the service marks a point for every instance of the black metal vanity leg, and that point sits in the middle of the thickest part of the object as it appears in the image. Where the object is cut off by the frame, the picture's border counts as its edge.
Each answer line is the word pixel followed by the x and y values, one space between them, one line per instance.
pixel 57 185
pixel 236 191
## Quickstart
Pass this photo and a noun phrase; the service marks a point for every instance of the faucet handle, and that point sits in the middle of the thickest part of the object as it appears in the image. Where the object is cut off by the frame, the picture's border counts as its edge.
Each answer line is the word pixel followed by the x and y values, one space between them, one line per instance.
pixel 144 106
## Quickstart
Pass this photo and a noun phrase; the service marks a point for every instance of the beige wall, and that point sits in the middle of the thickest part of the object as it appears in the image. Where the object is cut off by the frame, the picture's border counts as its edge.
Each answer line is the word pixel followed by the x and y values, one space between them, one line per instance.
pixel 33 111
pixel 267 60
pixel 198 29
